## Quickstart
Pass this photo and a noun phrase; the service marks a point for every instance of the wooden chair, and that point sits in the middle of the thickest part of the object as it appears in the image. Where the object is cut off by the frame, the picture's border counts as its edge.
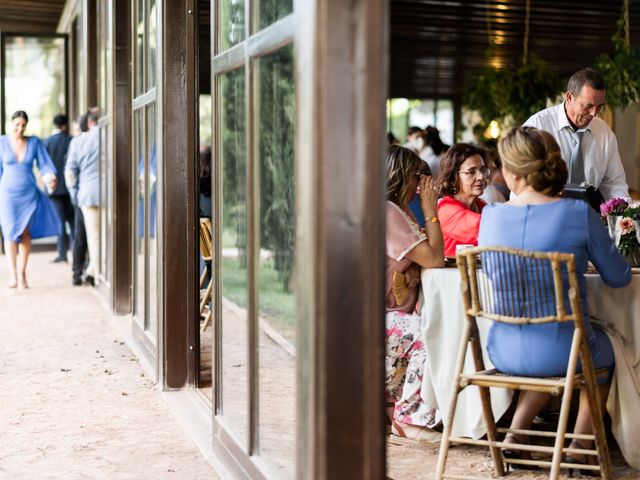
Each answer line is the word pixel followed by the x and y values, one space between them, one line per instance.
pixel 522 287
pixel 206 241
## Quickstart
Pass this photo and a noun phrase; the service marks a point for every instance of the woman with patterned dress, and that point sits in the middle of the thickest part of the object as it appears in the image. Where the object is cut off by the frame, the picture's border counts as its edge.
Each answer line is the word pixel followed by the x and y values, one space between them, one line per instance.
pixel 25 211
pixel 408 250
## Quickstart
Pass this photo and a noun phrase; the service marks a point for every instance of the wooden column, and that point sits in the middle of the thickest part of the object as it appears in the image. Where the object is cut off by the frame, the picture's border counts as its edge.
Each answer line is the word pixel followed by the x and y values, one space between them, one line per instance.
pixel 179 237
pixel 342 83
pixel 123 169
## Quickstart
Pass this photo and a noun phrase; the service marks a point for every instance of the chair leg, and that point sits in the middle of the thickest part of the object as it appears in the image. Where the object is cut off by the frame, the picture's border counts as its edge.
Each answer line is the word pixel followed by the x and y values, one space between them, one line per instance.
pixel 564 407
pixel 448 425
pixel 207 297
pixel 203 277
pixel 597 415
pixel 485 400
pixel 207 321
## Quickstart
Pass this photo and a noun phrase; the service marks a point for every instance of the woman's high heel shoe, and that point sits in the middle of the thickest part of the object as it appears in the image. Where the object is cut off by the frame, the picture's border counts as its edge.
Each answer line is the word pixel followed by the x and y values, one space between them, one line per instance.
pixel 567 458
pixel 517 454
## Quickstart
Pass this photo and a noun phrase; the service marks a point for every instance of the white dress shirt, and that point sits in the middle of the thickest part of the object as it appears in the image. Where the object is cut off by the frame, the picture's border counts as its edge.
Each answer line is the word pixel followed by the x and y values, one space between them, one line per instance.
pixel 602 165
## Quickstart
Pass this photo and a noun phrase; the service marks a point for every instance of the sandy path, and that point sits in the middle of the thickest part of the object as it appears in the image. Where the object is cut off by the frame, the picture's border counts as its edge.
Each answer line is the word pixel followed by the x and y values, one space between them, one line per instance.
pixel 74 401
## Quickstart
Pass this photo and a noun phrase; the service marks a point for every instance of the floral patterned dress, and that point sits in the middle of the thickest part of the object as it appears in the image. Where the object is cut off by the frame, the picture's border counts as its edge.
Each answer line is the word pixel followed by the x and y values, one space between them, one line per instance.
pixel 405 352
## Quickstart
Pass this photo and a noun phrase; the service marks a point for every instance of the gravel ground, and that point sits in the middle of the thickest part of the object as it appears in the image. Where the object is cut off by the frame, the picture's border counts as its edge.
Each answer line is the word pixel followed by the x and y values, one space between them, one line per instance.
pixel 75 402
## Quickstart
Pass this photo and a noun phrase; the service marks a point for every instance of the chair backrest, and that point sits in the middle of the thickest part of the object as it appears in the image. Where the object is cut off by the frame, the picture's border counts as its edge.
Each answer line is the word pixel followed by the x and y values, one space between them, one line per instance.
pixel 205 238
pixel 519 286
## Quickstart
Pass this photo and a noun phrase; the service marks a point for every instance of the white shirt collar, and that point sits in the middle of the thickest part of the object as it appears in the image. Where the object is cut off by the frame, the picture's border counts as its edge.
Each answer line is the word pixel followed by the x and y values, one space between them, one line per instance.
pixel 563 121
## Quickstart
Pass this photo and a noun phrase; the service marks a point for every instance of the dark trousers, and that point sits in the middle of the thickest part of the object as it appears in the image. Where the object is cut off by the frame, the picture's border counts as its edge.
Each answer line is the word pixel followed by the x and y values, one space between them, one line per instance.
pixel 63 206
pixel 79 244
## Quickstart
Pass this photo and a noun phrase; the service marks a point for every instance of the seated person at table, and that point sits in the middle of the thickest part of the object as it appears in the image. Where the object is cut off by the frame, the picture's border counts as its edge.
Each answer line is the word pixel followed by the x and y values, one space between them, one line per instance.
pixel 408 249
pixel 463 176
pixel 538 219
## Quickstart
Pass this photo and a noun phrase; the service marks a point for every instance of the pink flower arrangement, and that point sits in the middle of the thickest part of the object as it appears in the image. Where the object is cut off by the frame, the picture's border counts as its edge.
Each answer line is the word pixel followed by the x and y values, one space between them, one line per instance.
pixel 613 206
pixel 627 226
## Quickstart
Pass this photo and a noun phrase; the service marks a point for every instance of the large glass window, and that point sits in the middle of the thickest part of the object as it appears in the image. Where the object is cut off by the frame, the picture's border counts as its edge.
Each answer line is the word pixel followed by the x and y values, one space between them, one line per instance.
pixel 34 80
pixel 276 110
pixel 233 271
pixel 254 218
pixel 140 218
pixel 270 11
pixel 231 23
pixel 152 212
pixel 139 49
pixel 147 176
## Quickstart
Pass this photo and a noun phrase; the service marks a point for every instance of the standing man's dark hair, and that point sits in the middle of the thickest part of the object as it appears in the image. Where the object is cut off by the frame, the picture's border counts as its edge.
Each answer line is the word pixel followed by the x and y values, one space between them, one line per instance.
pixel 61 121
pixel 586 76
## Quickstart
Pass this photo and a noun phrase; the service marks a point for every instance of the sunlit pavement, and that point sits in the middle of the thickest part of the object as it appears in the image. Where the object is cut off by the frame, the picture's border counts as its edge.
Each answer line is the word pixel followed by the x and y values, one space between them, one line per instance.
pixel 74 401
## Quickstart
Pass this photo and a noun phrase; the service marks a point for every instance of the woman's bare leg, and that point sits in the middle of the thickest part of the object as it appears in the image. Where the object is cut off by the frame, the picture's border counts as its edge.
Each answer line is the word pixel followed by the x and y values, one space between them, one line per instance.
pixel 583 420
pixel 24 250
pixel 11 249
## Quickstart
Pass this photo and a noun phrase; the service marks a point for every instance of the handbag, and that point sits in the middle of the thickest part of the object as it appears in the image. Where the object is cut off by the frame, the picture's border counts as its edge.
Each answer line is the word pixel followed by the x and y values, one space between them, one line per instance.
pixel 584 192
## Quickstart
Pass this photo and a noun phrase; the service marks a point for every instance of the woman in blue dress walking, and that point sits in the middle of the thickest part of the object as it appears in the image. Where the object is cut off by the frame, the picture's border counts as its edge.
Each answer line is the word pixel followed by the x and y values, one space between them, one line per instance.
pixel 25 211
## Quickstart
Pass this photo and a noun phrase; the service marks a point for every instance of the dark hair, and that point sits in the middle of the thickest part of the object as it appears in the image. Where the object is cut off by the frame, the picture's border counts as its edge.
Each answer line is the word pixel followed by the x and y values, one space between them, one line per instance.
pixel 413 129
pixel 60 120
pixel 432 139
pixel 586 76
pixel 391 138
pixel 205 170
pixel 535 155
pixel 20 114
pixel 92 115
pixel 401 166
pixel 82 122
pixel 450 164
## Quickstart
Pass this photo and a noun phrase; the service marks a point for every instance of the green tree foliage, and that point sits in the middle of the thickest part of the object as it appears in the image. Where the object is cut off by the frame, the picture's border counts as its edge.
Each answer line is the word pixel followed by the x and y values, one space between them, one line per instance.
pixel 621 70
pixel 277 114
pixel 234 163
pixel 501 93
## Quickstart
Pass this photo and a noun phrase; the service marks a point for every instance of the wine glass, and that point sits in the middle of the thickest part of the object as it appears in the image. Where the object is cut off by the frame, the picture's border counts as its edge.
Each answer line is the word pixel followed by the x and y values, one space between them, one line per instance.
pixel 636 225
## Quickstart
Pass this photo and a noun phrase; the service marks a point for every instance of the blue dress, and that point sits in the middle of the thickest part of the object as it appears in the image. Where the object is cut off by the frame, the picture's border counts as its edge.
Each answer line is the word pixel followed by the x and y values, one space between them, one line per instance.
pixel 565 225
pixel 22 203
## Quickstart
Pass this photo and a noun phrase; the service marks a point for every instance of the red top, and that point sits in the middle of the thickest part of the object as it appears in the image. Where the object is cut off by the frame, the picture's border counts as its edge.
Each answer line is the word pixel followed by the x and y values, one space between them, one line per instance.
pixel 459 224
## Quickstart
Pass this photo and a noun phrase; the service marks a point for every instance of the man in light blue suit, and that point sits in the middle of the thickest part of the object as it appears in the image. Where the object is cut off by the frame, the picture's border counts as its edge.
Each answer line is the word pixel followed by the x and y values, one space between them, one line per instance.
pixel 82 174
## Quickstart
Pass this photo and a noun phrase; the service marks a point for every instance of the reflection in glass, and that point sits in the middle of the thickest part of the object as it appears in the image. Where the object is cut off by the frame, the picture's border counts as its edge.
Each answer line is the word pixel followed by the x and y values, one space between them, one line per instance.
pixel 139 64
pixel 231 29
pixel 152 182
pixel 104 56
pixel 276 111
pixel 80 66
pixel 140 216
pixel 269 11
pixel 34 81
pixel 105 201
pixel 233 271
pixel 152 49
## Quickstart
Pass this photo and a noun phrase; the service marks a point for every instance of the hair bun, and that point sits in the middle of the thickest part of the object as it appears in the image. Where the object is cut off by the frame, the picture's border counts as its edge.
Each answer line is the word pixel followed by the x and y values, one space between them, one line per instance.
pixel 550 176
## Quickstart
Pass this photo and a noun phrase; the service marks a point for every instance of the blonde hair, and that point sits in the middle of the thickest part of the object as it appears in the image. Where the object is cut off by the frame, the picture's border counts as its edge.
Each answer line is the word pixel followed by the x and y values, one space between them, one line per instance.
pixel 535 155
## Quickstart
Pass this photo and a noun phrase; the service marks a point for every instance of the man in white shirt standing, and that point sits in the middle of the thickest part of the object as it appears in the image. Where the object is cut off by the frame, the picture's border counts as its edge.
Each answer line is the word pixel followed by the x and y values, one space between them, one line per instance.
pixel 587 144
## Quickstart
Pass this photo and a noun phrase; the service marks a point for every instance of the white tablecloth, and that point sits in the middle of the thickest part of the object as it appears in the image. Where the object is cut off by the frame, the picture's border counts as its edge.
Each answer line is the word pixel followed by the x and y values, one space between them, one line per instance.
pixel 618 310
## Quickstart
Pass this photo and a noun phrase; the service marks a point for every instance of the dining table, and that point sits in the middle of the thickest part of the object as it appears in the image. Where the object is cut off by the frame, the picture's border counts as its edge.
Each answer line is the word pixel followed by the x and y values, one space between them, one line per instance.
pixel 616 310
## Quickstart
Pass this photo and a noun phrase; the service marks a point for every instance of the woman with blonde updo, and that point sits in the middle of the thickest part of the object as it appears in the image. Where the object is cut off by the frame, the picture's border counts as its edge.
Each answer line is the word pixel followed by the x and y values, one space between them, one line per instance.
pixel 540 219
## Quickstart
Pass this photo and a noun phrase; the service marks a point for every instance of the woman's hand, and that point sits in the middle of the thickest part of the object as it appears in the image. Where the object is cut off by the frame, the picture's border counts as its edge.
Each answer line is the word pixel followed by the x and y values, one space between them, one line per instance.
pixel 429 192
pixel 412 275
pixel 53 184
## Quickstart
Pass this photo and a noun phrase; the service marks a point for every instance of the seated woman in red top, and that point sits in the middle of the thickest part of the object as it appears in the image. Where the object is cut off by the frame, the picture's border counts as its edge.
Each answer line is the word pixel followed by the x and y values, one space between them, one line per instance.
pixel 463 176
